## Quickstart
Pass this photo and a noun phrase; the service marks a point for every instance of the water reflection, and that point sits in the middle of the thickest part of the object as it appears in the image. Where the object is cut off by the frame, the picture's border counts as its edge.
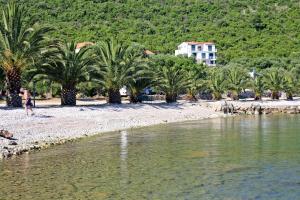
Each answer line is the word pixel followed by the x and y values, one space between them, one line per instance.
pixel 123 161
pixel 123 145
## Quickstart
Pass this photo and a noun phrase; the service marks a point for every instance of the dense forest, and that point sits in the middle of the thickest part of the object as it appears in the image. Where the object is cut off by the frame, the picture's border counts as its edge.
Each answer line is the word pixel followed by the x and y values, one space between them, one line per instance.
pixel 244 29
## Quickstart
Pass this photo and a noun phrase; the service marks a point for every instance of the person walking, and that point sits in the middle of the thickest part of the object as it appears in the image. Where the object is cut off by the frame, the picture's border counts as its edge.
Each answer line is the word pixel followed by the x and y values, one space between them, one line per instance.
pixel 28 103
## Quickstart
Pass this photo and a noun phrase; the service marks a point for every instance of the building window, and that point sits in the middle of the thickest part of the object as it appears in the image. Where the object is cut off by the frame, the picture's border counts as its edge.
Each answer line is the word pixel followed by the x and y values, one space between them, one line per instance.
pixel 203 56
pixel 194 55
pixel 193 47
pixel 209 48
pixel 211 56
pixel 199 48
pixel 212 62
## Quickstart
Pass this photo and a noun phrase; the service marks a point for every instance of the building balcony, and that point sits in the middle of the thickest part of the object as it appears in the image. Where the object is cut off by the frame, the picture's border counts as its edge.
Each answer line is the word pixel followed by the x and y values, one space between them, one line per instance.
pixel 213 50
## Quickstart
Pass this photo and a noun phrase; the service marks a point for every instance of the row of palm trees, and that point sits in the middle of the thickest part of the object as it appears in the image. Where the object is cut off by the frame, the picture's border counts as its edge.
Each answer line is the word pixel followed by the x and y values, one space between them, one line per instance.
pixel 234 80
pixel 26 52
pixel 21 44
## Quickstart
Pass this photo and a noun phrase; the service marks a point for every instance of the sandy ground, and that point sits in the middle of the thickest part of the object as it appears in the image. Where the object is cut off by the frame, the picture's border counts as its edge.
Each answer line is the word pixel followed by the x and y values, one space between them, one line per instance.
pixel 53 124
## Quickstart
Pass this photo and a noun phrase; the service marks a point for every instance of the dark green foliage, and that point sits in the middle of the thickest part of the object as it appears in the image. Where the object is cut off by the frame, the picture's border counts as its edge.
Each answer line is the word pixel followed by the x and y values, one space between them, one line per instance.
pixel 237 80
pixel 118 65
pixel 42 87
pixel 241 28
pixel 196 75
pixel 21 44
pixel 170 75
pixel 291 83
pixel 258 87
pixel 274 80
pixel 261 35
pixel 88 89
pixel 216 82
pixel 68 68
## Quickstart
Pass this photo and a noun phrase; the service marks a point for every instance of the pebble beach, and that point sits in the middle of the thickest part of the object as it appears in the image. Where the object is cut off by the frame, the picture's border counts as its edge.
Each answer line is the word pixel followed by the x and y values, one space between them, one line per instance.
pixel 55 124
pixel 52 124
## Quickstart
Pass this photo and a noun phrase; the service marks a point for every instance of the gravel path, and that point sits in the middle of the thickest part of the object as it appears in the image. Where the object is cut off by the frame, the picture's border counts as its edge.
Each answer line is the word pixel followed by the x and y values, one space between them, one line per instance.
pixel 59 124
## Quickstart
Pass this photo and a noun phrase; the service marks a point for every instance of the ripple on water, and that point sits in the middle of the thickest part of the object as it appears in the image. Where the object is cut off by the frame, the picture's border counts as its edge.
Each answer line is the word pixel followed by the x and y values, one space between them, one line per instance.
pixel 236 158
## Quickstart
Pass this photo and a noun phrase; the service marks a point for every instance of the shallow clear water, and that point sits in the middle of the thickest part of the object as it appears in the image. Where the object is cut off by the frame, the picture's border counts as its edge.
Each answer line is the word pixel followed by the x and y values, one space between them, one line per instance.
pixel 232 158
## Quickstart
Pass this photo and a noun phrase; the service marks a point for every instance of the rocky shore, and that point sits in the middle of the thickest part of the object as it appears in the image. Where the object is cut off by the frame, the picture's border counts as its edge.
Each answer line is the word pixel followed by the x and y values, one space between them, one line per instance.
pixel 256 107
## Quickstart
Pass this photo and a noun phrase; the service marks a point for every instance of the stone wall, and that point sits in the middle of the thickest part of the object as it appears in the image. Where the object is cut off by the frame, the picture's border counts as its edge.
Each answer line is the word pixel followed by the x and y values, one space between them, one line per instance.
pixel 254 108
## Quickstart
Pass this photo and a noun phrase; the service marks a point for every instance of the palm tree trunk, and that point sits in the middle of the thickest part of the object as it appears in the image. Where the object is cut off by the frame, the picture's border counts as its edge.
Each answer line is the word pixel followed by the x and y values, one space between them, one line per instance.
pixel 170 98
pixel 191 96
pixel 114 96
pixel 275 95
pixel 133 98
pixel 289 96
pixel 257 98
pixel 234 95
pixel 217 96
pixel 68 96
pixel 13 83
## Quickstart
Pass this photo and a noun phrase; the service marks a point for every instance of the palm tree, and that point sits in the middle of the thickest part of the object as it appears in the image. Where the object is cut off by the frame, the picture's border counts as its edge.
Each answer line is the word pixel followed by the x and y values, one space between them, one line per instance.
pixel 216 83
pixel 21 44
pixel 68 67
pixel 237 79
pixel 196 77
pixel 258 87
pixel 141 77
pixel 116 67
pixel 169 77
pixel 273 79
pixel 291 85
pixel 135 87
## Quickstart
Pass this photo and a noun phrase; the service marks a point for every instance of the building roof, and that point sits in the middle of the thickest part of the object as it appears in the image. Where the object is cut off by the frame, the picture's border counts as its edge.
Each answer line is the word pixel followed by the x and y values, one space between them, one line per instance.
pixel 148 52
pixel 83 44
pixel 199 43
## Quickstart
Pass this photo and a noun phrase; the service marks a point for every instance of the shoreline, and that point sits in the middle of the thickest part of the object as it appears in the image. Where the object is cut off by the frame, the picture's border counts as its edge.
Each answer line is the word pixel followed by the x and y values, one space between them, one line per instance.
pixel 57 125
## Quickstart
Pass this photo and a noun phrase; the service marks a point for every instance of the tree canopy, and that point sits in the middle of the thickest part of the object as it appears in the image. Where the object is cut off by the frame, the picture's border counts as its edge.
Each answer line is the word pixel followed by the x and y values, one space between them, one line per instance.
pixel 241 28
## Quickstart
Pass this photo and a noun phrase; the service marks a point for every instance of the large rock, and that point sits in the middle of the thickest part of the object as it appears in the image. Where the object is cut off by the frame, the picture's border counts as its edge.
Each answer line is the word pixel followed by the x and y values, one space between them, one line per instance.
pixel 291 110
pixel 266 111
pixel 256 109
pixel 227 108
pixel 12 143
pixel 6 134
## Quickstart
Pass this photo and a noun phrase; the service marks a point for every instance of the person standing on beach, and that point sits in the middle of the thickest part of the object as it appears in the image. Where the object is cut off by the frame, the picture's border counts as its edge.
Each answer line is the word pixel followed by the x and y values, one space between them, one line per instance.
pixel 28 103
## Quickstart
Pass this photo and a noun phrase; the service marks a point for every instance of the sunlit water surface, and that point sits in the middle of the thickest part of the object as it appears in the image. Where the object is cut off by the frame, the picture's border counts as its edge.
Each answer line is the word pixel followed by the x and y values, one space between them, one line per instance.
pixel 231 158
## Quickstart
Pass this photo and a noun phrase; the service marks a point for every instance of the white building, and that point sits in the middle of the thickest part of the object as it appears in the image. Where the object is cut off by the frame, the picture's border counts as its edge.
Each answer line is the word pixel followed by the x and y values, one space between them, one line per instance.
pixel 81 45
pixel 204 52
pixel 124 92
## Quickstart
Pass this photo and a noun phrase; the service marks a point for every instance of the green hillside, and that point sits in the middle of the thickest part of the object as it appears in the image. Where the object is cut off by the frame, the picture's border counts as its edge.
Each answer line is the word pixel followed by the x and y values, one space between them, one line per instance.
pixel 241 29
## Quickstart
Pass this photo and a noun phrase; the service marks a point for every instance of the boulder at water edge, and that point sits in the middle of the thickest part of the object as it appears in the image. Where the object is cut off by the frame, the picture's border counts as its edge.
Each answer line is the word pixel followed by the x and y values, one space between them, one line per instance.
pixel 6 134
